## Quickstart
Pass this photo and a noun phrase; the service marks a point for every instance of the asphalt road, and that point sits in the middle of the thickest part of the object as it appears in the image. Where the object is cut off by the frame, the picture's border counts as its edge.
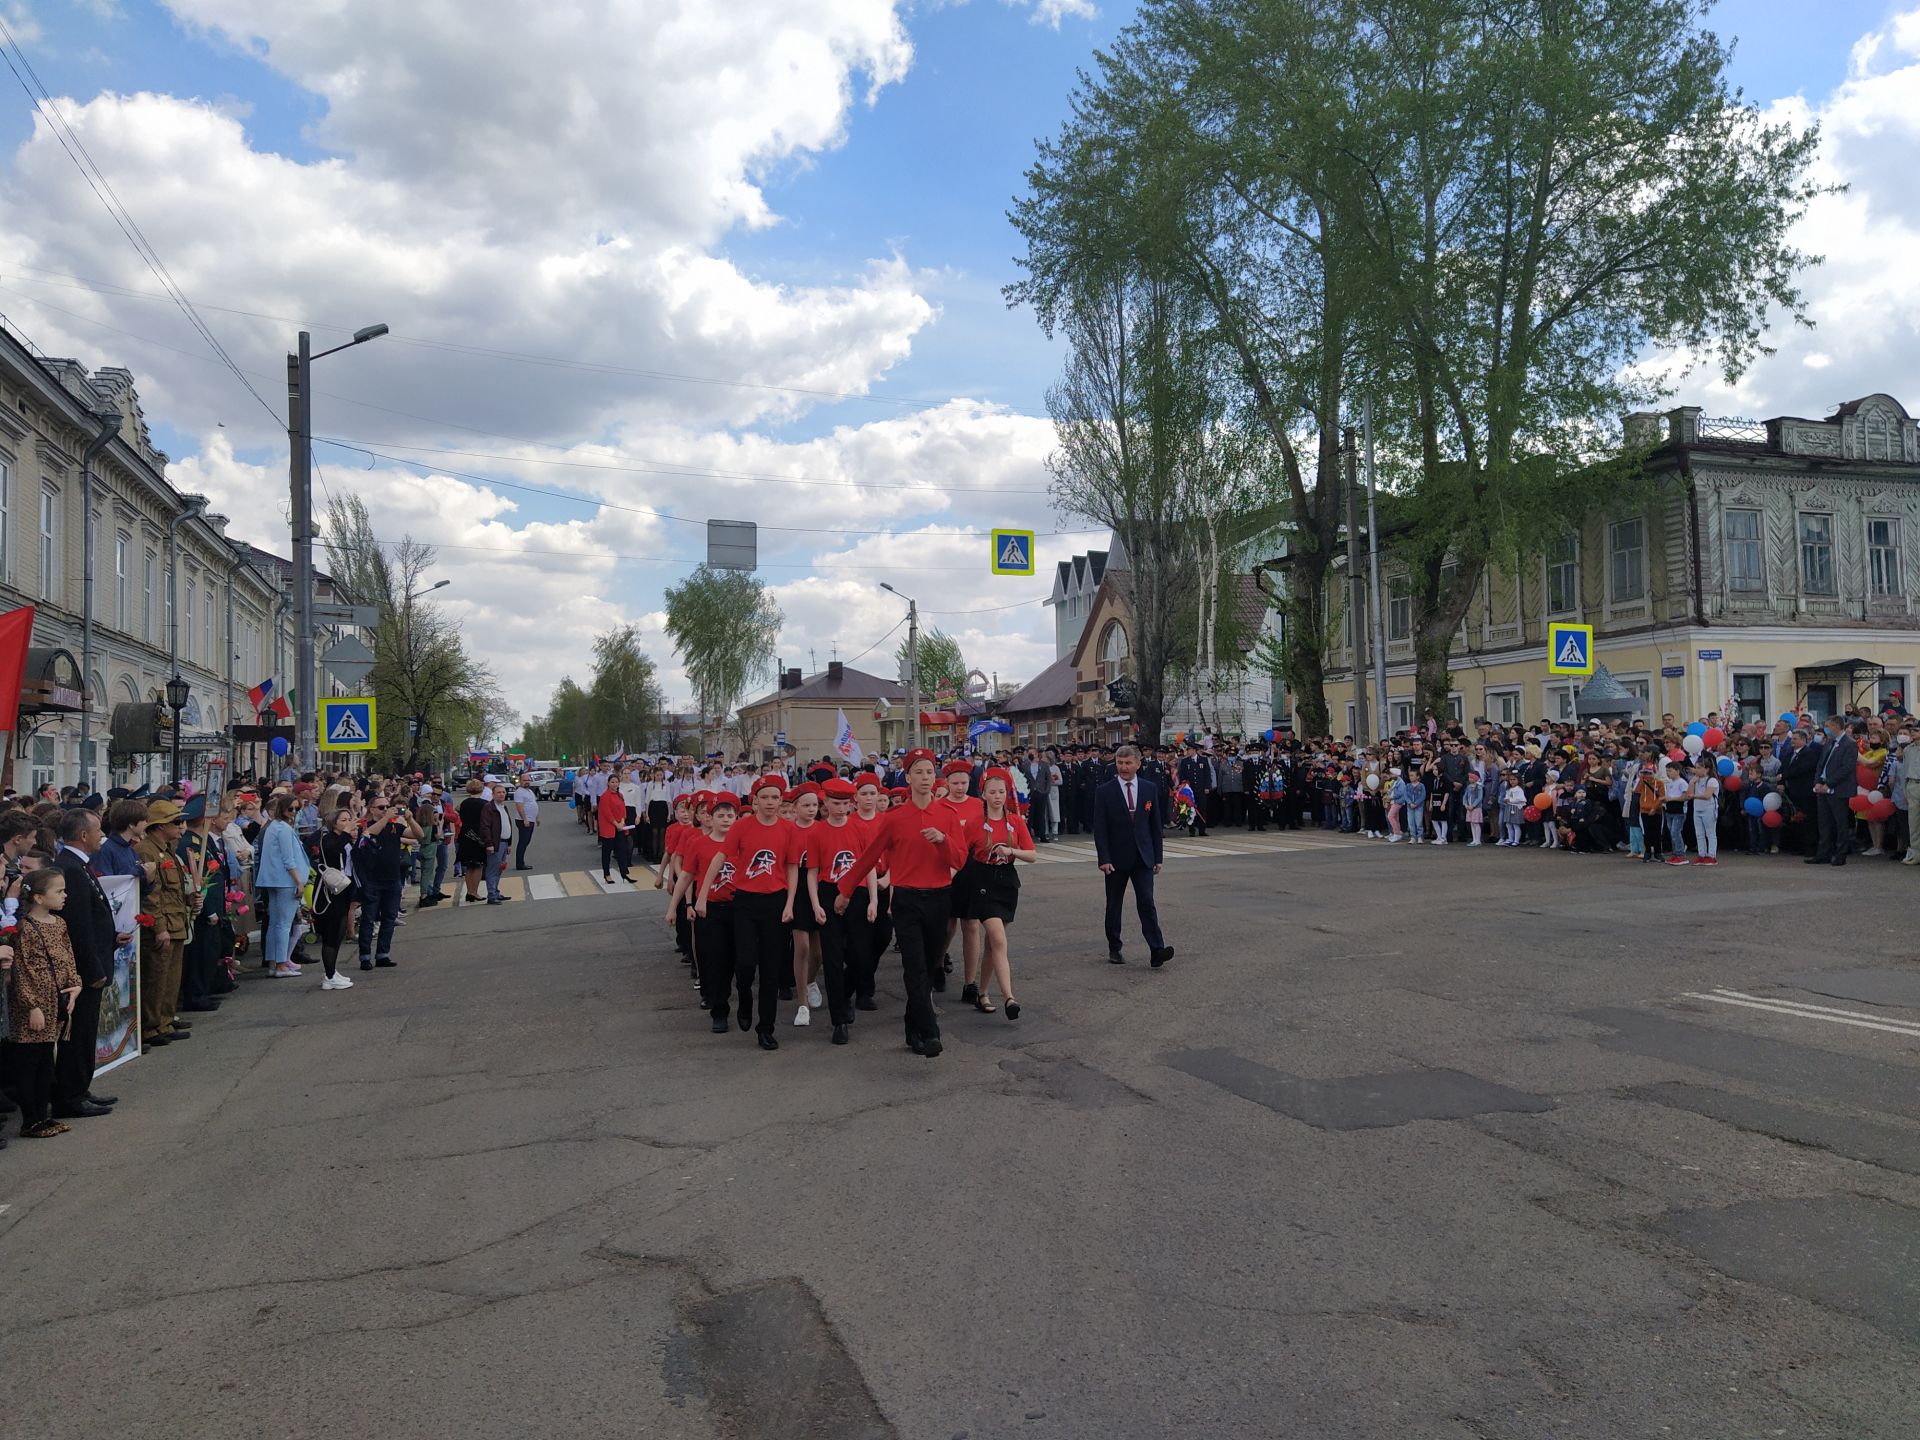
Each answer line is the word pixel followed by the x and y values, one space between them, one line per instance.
pixel 1404 1143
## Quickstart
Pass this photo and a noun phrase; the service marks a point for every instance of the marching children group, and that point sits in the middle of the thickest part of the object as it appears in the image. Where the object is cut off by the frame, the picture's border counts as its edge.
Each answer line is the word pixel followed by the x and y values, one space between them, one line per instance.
pixel 796 897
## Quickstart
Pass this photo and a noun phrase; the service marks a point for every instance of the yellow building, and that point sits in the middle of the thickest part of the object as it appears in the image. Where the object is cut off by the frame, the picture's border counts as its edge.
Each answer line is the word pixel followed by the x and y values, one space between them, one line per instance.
pixel 806 710
pixel 1774 569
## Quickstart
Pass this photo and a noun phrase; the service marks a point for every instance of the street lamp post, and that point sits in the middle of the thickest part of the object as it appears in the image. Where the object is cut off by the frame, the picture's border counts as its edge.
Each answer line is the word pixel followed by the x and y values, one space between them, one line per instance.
pixel 913 667
pixel 300 453
pixel 177 693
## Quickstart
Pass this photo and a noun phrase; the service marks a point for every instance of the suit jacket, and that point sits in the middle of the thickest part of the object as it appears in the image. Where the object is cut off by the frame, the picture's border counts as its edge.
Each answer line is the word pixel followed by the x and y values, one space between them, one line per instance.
pixel 89 919
pixel 1837 765
pixel 1124 841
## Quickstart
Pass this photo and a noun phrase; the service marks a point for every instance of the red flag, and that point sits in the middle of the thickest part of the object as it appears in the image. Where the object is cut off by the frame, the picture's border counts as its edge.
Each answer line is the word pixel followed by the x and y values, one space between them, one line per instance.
pixel 16 635
pixel 279 707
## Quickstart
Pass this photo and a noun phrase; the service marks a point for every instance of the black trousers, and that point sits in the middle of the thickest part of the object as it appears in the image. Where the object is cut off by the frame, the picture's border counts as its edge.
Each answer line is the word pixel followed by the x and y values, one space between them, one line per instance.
pixel 1836 828
pixel 879 938
pixel 843 948
pixel 713 944
pixel 198 962
pixel 1141 878
pixel 73 1066
pixel 617 851
pixel 30 1077
pixel 920 916
pixel 520 846
pixel 763 951
pixel 683 926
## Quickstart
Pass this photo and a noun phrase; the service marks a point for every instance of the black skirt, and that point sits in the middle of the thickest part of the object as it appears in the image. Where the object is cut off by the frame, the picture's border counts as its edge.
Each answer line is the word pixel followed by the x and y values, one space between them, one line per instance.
pixel 965 882
pixel 803 920
pixel 996 893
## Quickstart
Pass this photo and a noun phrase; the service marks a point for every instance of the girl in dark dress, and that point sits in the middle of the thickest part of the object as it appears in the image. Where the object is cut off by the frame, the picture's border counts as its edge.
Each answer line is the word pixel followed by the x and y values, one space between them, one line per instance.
pixel 995 840
pixel 332 910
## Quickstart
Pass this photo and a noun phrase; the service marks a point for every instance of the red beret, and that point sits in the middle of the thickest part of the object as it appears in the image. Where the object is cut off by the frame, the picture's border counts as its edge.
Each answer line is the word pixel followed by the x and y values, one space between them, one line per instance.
pixel 914 757
pixel 700 799
pixel 724 800
pixel 957 767
pixel 866 778
pixel 998 774
pixel 769 782
pixel 899 792
pixel 837 789
pixel 805 787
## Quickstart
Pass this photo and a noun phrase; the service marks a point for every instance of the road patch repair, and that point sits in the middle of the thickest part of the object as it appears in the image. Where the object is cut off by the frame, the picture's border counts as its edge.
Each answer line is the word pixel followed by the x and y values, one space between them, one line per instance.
pixel 1357 1102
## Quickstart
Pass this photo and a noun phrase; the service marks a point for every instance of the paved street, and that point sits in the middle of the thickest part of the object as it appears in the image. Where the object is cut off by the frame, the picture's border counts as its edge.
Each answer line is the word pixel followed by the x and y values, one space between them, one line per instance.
pixel 1403 1143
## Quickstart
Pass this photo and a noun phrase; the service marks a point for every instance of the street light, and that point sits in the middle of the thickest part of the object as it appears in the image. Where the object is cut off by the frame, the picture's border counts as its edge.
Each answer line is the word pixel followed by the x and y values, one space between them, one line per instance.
pixel 177 694
pixel 913 665
pixel 300 446
pixel 437 585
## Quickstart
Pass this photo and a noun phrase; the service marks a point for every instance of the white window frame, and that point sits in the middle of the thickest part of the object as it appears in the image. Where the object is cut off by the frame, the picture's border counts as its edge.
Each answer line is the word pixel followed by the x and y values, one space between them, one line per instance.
pixel 186 630
pixel 210 653
pixel 1615 551
pixel 1399 714
pixel 1891 679
pixel 1802 545
pixel 49 543
pixel 122 595
pixel 1548 565
pixel 1893 570
pixel 1399 596
pixel 1456 707
pixel 1556 700
pixel 1758 542
pixel 146 597
pixel 1640 682
pixel 1504 695
pixel 6 517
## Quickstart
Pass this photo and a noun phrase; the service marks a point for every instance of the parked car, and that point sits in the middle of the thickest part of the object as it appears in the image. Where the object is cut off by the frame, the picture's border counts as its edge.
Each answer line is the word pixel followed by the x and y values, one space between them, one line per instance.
pixel 545 783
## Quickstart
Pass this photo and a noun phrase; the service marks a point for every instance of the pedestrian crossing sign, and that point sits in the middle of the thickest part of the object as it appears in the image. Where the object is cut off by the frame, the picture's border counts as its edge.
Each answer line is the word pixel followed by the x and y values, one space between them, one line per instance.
pixel 1013 552
pixel 1570 649
pixel 348 725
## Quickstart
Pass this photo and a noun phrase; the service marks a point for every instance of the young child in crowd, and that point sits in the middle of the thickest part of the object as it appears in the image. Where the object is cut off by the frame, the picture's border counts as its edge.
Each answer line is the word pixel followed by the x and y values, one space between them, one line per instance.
pixel 1513 808
pixel 1473 801
pixel 42 985
pixel 1649 799
pixel 1678 790
pixel 1703 790
pixel 1416 808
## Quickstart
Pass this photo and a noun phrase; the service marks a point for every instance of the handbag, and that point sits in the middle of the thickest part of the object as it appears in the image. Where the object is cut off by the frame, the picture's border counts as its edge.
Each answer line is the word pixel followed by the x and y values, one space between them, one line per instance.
pixel 333 879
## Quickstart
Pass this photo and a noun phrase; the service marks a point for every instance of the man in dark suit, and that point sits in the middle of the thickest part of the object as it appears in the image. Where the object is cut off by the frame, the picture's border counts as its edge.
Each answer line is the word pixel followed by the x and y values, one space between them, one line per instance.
pixel 89 922
pixel 1127 843
pixel 1835 784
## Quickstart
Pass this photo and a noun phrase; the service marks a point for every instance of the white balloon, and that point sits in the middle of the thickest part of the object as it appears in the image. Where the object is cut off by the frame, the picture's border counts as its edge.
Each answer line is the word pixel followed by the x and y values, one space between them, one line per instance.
pixel 1772 802
pixel 1693 744
pixel 1875 796
pixel 1373 782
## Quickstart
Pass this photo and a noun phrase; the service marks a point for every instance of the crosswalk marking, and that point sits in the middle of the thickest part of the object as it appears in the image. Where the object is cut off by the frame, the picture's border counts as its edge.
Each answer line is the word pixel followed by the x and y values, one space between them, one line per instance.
pixel 546 887
pixel 1207 847
pixel 576 882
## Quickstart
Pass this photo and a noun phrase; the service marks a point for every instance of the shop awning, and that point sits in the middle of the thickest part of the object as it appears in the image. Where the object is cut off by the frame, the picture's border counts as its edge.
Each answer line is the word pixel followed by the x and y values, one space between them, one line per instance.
pixel 1835 669
pixel 52 683
pixel 938 717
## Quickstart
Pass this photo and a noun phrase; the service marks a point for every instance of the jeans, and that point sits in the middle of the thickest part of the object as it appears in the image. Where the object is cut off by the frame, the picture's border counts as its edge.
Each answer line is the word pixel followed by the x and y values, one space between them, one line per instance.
pixel 520 846
pixel 379 901
pixel 496 862
pixel 1677 834
pixel 433 866
pixel 283 912
pixel 1417 821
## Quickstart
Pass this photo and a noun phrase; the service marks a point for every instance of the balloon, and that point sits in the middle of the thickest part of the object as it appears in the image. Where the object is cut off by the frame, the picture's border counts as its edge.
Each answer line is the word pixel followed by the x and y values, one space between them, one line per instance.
pixel 1859 804
pixel 1715 737
pixel 1724 765
pixel 279 745
pixel 1543 801
pixel 1773 819
pixel 1373 782
pixel 1772 802
pixel 1732 782
pixel 1530 814
pixel 1676 755
pixel 1753 806
pixel 1693 744
pixel 1698 727
pixel 1866 776
pixel 1882 810
pixel 1875 796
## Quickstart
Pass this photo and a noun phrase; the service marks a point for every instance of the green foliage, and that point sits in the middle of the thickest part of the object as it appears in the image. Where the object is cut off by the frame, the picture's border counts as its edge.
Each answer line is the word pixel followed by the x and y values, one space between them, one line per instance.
pixel 942 666
pixel 724 625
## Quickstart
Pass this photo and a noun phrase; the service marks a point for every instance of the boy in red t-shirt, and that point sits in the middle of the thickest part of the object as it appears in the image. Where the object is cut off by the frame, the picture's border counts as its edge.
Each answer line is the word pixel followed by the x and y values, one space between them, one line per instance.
pixel 832 845
pixel 713 929
pixel 869 809
pixel 757 848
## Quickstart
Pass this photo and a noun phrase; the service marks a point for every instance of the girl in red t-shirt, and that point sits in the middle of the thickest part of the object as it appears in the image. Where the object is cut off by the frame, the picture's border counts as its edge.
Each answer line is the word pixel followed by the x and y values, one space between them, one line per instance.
pixel 994 841
pixel 803 910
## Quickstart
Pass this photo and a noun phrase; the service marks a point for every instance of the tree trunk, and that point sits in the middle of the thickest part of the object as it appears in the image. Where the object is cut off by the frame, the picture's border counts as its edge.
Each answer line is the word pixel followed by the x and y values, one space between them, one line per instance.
pixel 1433 632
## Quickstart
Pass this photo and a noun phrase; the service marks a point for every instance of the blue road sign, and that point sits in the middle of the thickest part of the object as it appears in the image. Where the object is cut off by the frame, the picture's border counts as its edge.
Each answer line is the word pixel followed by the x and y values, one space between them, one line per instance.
pixel 1569 649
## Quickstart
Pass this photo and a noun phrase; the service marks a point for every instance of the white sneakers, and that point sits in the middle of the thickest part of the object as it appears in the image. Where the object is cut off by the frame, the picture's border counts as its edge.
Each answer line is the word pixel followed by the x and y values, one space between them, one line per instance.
pixel 814 997
pixel 336 982
pixel 285 970
pixel 803 1016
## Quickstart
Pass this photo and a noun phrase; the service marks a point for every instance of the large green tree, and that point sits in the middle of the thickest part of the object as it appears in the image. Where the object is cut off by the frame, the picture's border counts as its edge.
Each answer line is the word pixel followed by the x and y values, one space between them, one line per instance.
pixel 941 665
pixel 624 702
pixel 724 625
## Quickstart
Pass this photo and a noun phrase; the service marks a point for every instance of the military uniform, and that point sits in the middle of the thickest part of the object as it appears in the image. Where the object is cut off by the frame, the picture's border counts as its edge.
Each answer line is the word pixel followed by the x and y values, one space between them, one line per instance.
pixel 166 902
pixel 202 858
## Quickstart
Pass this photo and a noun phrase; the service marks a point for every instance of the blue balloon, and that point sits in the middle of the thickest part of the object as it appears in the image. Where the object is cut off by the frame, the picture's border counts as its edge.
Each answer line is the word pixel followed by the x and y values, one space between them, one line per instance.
pixel 1754 806
pixel 279 745
pixel 1698 727
pixel 1725 766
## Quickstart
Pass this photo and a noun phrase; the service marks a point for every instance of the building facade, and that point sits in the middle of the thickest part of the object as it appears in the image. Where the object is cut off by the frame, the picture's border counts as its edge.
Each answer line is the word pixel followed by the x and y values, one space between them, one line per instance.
pixel 223 622
pixel 1774 568
pixel 806 710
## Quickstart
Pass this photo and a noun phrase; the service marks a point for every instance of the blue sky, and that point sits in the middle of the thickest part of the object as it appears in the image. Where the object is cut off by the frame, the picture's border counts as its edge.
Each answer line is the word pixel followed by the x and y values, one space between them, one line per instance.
pixel 453 244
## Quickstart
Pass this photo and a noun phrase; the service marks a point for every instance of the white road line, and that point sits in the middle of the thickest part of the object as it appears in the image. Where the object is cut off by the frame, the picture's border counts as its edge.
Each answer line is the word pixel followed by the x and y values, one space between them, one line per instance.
pixel 616 886
pixel 545 887
pixel 1910 1032
pixel 1816 1009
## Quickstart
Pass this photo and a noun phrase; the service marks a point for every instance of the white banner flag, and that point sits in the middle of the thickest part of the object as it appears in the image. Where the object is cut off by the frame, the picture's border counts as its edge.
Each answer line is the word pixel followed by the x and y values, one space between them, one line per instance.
pixel 844 745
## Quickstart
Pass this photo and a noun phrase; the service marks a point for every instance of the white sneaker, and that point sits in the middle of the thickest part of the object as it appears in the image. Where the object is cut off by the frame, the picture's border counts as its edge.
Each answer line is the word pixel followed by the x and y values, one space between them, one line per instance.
pixel 286 970
pixel 1471 844
pixel 1393 839
pixel 802 1016
pixel 1871 850
pixel 814 997
pixel 336 982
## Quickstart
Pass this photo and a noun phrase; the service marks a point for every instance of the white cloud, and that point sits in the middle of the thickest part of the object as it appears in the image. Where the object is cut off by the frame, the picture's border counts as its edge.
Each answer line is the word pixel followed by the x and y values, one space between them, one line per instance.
pixel 1052 12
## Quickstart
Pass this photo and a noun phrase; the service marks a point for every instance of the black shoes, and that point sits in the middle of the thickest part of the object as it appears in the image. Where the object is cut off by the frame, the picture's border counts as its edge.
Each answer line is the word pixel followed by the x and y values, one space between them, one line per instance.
pixel 1161 956
pixel 786 992
pixel 969 993
pixel 840 1035
pixel 1813 860
pixel 865 1002
pixel 940 978
pixel 366 964
pixel 767 1042
pixel 916 1044
pixel 1114 957
pixel 153 1042
pixel 201 1007
pixel 930 1047
pixel 93 1099
pixel 85 1110
pixel 426 900
pixel 179 1025
pixel 179 1032
pixel 389 964
pixel 746 1021
pixel 720 1026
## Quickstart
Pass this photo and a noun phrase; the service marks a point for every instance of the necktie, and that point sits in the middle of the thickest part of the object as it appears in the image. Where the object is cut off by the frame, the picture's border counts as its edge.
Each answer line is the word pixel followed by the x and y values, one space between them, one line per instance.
pixel 1129 797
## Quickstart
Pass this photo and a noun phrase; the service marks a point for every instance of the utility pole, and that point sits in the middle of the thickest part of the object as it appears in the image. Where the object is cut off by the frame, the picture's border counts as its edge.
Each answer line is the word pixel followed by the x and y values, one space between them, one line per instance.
pixel 913 673
pixel 300 452
pixel 1356 590
pixel 1373 557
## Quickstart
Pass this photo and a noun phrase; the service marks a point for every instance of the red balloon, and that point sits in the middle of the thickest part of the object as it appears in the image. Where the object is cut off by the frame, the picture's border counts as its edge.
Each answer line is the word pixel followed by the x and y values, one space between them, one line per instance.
pixel 1714 738
pixel 1731 782
pixel 1530 814
pixel 1883 811
pixel 1543 801
pixel 1772 820
pixel 1677 755
pixel 1859 804
pixel 1866 775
